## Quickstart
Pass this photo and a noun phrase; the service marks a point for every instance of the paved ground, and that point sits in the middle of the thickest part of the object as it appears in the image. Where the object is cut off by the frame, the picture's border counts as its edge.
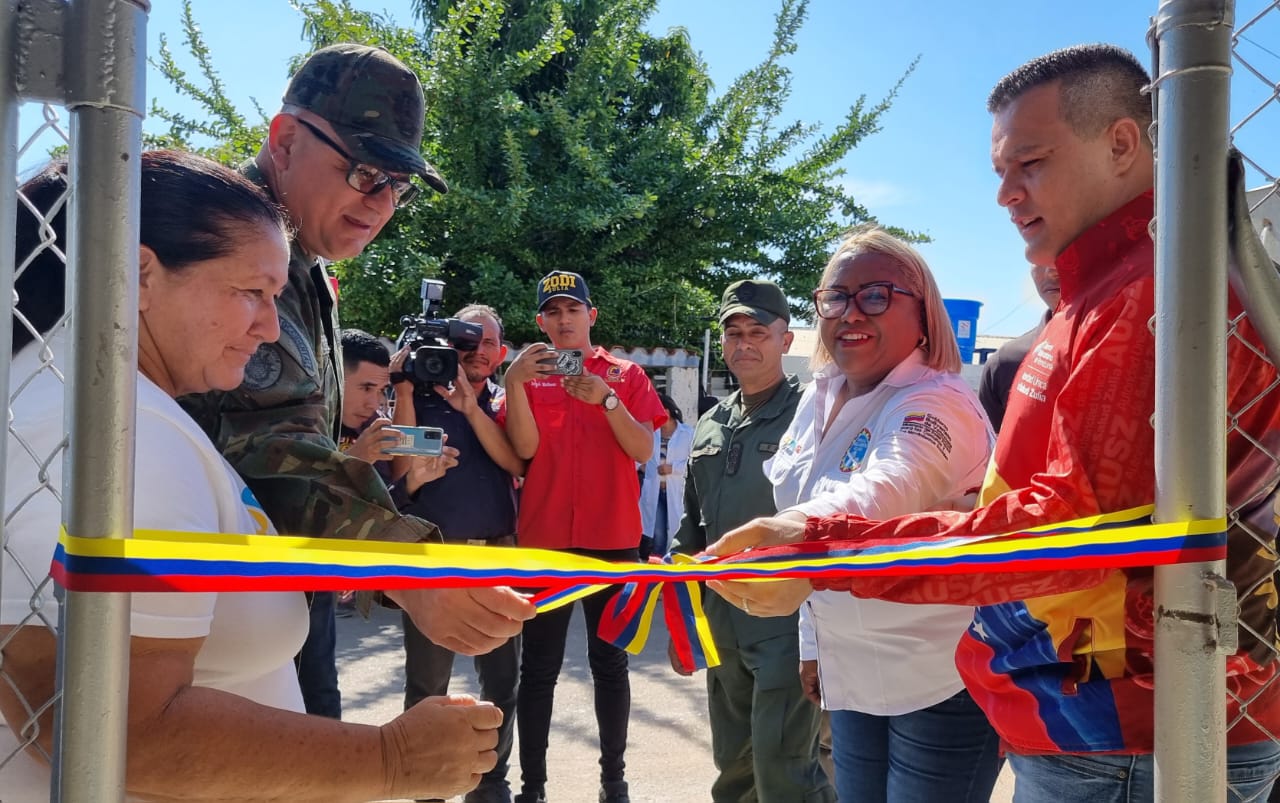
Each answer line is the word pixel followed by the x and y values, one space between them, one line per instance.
pixel 669 750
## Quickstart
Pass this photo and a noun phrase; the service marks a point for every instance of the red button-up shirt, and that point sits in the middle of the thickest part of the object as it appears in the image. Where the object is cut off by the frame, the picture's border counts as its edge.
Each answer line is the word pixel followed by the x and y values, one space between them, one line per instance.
pixel 581 490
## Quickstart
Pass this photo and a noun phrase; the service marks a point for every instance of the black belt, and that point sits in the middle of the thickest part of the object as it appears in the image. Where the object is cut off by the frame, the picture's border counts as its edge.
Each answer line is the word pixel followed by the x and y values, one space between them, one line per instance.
pixel 497 540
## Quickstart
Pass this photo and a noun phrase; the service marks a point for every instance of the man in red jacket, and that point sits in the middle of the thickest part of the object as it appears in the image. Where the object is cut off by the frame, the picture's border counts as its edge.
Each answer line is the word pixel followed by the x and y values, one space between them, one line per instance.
pixel 1062 661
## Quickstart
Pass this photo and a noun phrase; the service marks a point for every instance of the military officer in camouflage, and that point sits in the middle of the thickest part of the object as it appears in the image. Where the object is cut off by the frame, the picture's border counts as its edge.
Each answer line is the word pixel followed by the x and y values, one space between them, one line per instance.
pixel 764 733
pixel 341 156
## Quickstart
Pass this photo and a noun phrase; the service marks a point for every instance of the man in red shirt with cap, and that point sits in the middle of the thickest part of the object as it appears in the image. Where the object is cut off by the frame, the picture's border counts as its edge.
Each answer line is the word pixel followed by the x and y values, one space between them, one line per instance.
pixel 583 434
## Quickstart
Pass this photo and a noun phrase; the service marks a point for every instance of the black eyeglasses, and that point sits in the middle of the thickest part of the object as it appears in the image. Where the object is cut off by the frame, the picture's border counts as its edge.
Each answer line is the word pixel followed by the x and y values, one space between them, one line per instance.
pixel 871 299
pixel 366 179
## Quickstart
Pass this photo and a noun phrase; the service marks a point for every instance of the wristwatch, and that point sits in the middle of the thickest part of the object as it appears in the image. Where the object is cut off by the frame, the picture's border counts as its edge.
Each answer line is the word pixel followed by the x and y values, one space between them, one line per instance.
pixel 610 402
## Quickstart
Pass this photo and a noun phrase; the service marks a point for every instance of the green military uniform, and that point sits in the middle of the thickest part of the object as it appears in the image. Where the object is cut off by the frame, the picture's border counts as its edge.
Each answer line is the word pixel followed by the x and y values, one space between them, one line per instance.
pixel 764 732
pixel 279 429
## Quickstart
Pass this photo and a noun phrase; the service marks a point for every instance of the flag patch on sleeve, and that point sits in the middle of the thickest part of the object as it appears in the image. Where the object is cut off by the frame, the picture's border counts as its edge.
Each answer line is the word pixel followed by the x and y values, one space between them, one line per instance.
pixel 931 428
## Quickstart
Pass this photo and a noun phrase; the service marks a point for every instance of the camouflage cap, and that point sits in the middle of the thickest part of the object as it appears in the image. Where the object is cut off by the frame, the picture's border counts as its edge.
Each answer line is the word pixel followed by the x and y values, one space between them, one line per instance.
pixel 764 301
pixel 374 103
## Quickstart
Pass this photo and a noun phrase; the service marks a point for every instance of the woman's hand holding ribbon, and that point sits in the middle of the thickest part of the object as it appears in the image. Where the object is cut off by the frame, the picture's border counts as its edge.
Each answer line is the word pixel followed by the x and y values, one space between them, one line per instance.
pixel 770 597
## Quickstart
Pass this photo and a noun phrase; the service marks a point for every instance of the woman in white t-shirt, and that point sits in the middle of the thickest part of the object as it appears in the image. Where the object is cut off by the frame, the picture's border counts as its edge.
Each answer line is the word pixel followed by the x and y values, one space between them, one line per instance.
pixel 887 427
pixel 214 705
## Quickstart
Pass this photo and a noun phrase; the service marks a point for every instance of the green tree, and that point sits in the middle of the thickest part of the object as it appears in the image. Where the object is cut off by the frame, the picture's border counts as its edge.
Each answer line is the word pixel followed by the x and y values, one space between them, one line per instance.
pixel 574 139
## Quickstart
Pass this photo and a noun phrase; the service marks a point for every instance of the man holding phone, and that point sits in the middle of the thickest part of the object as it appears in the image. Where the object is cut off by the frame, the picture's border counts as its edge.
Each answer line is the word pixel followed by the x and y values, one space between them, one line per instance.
pixel 367 432
pixel 364 377
pixel 582 435
pixel 366 366
pixel 474 503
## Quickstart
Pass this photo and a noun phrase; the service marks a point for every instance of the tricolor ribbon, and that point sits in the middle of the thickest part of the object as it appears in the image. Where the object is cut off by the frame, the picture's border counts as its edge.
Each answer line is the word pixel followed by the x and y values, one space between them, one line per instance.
pixel 629 615
pixel 164 561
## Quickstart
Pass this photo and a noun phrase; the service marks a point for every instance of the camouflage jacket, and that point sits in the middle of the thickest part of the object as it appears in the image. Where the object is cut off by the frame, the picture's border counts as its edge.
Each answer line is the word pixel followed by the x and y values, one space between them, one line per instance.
pixel 280 428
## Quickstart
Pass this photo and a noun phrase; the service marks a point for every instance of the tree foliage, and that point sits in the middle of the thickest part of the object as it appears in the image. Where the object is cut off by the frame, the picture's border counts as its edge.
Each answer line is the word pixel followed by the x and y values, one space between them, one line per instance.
pixel 233 137
pixel 575 139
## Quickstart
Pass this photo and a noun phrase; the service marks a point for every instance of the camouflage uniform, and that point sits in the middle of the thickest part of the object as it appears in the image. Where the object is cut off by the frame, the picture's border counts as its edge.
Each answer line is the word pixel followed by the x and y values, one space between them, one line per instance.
pixel 280 428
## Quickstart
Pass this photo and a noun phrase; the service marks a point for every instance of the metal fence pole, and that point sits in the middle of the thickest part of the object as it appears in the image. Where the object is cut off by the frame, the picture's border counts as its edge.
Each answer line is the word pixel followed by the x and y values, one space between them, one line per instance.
pixel 105 60
pixel 9 104
pixel 1194 604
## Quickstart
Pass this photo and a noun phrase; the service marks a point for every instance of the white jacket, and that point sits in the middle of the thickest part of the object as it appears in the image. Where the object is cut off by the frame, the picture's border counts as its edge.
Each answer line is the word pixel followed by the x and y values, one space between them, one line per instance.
pixel 678 449
pixel 920 437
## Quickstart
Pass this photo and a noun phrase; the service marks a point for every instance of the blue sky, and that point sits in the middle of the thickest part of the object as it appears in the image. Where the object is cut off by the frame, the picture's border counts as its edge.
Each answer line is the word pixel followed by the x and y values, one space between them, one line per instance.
pixel 928 170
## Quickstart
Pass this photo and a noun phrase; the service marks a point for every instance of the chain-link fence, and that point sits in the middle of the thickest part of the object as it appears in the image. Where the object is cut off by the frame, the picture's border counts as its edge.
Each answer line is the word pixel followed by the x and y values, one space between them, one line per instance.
pixel 79 70
pixel 1255 47
pixel 1210 642
pixel 33 465
pixel 1255 117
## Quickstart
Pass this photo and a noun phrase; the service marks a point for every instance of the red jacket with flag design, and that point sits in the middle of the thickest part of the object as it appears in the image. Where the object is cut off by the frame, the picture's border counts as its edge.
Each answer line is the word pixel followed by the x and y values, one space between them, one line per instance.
pixel 1062 661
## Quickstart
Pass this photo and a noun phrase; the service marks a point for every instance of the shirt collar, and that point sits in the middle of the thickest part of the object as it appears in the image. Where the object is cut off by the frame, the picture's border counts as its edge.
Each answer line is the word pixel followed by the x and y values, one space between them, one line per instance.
pixel 490 390
pixel 601 353
pixel 777 402
pixel 908 372
pixel 250 170
pixel 1096 251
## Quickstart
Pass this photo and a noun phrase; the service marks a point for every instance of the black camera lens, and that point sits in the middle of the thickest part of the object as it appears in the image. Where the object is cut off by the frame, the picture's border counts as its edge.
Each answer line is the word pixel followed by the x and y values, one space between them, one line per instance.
pixel 436 365
pixel 433 365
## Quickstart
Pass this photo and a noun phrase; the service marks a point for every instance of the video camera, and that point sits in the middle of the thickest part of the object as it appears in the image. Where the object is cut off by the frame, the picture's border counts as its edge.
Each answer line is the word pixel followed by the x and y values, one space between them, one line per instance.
pixel 434 342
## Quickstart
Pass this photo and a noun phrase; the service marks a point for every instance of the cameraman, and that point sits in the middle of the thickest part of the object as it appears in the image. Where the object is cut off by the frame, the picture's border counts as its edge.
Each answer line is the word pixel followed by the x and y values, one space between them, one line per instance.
pixel 473 503
pixel 583 436
pixel 366 378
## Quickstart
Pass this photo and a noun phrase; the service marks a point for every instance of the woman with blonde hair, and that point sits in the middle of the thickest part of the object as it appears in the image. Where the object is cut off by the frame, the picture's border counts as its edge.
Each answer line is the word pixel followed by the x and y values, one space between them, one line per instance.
pixel 887 427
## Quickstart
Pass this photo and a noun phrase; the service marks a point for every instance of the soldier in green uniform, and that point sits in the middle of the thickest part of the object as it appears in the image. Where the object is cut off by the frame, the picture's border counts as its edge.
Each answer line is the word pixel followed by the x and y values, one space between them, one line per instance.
pixel 341 156
pixel 764 732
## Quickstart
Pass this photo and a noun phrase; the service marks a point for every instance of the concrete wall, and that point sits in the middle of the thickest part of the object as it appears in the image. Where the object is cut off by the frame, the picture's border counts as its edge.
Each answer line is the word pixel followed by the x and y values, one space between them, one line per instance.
pixel 682 387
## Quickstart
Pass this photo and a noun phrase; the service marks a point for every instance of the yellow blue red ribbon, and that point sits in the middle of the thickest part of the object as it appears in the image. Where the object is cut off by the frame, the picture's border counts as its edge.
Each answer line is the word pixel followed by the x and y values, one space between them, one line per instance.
pixel 628 618
pixel 166 561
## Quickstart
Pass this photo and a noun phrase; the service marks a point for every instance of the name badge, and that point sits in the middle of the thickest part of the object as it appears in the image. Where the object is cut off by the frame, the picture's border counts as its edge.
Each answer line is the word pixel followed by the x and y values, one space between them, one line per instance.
pixel 733 460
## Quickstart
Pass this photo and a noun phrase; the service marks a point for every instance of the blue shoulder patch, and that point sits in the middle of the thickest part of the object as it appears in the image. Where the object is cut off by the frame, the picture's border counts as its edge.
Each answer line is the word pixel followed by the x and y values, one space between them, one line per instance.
pixel 301 345
pixel 264 368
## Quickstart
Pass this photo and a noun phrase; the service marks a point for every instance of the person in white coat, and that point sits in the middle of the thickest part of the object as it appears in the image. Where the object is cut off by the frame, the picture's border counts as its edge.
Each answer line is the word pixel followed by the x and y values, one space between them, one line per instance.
pixel 662 489
pixel 887 427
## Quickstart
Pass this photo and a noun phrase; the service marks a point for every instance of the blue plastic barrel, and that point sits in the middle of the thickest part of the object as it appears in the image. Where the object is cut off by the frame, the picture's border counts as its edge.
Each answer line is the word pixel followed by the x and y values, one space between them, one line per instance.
pixel 964 322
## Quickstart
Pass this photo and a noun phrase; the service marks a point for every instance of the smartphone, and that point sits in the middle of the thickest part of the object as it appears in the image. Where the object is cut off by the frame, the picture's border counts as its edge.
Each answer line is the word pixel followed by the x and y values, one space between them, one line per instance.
pixel 568 362
pixel 427 441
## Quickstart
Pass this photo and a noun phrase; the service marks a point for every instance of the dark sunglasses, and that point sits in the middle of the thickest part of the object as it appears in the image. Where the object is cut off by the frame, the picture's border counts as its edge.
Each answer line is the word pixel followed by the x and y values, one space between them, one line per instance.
pixel 366 179
pixel 870 299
